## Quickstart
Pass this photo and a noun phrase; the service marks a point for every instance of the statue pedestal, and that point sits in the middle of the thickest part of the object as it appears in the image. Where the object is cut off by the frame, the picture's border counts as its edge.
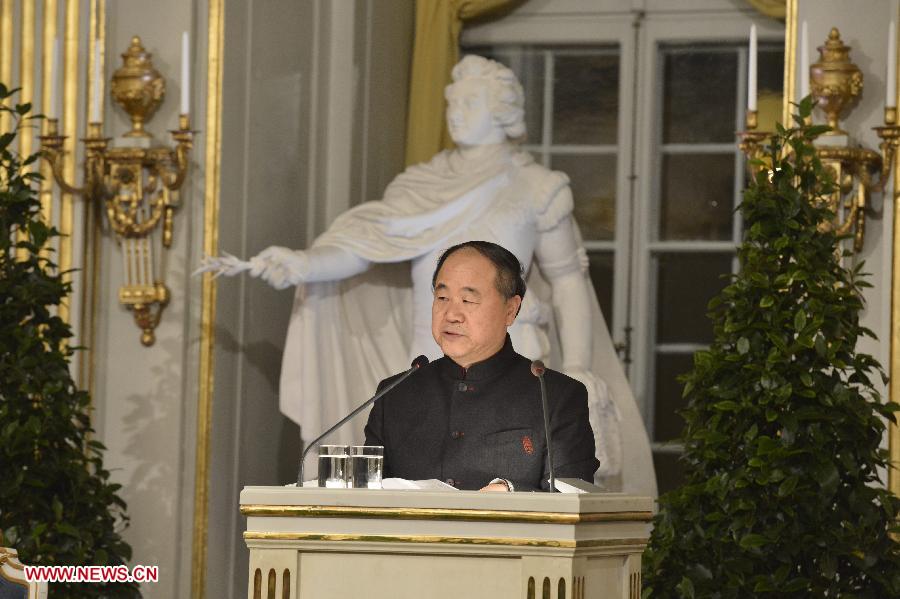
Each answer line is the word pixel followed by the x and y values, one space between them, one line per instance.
pixel 378 544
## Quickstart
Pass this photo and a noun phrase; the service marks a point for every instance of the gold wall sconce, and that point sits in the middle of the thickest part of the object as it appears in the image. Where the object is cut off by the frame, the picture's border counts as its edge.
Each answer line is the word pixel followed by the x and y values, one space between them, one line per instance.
pixel 134 181
pixel 835 84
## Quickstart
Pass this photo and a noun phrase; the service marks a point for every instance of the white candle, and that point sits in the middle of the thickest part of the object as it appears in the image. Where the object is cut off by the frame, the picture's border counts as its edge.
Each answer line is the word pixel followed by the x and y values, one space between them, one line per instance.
pixel 54 77
pixel 890 94
pixel 185 73
pixel 95 85
pixel 804 61
pixel 751 71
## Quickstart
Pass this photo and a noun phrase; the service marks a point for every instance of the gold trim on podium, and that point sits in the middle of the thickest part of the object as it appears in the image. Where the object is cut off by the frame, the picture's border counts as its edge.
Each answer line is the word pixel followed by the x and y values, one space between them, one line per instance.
pixel 442 540
pixel 322 511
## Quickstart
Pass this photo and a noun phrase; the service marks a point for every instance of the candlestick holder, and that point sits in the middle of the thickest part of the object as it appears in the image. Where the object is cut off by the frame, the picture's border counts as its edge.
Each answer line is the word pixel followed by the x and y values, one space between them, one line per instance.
pixel 889 133
pixel 135 183
pixel 835 81
pixel 751 142
pixel 835 85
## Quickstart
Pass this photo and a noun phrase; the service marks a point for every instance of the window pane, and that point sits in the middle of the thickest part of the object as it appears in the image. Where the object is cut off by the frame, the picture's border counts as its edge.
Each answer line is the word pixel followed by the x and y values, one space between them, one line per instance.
pixel 594 189
pixel 685 284
pixel 667 423
pixel 585 99
pixel 669 471
pixel 601 269
pixel 697 197
pixel 528 65
pixel 699 95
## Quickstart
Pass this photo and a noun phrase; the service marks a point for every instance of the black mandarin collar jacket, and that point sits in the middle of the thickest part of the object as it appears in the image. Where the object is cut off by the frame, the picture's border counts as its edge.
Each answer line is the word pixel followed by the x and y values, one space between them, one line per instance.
pixel 469 426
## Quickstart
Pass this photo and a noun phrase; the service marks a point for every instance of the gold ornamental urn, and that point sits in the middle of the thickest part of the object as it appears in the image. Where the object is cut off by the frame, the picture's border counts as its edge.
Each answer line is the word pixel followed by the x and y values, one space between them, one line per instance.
pixel 835 82
pixel 138 87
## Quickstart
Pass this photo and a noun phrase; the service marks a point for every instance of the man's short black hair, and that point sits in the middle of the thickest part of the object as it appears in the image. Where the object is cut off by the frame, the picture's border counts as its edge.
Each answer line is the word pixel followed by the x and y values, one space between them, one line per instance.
pixel 510 277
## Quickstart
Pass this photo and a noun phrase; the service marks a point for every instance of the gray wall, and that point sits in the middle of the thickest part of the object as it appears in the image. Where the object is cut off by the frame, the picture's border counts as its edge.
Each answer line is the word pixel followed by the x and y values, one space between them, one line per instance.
pixel 145 398
pixel 313 119
pixel 314 112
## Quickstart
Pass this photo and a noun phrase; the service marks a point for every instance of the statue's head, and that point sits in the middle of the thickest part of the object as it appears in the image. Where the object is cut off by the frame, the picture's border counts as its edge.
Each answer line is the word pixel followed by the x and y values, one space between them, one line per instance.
pixel 485 103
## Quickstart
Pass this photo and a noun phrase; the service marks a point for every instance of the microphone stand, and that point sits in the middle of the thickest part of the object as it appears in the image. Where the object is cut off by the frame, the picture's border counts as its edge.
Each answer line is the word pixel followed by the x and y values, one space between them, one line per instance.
pixel 537 369
pixel 416 364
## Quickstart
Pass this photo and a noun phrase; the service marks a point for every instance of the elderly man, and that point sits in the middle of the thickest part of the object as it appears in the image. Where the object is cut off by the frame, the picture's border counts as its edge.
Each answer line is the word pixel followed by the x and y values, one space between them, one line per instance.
pixel 473 418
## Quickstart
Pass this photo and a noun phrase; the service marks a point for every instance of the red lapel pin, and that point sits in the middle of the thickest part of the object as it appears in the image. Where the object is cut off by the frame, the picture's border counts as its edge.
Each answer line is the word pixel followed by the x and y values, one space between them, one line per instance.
pixel 527 445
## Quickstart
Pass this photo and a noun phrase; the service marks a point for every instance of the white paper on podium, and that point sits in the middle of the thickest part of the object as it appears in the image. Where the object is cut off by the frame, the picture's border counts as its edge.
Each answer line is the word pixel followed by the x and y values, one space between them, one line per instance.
pixel 576 485
pixel 398 484
pixel 563 485
pixel 431 484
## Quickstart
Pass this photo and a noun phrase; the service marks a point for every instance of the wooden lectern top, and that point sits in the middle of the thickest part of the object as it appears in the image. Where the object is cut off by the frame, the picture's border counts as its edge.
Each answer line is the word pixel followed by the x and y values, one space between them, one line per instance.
pixel 568 508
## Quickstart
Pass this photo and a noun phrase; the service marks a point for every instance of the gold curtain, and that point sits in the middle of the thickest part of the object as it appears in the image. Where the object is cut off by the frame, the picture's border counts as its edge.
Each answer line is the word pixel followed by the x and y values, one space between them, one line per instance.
pixel 771 8
pixel 435 51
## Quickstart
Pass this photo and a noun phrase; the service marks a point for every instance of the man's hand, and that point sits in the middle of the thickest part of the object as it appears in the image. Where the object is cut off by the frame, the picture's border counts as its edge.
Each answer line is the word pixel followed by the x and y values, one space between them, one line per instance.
pixel 495 488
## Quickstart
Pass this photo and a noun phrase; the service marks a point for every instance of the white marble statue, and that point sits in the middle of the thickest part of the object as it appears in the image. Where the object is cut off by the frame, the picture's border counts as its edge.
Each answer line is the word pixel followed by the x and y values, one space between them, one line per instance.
pixel 350 325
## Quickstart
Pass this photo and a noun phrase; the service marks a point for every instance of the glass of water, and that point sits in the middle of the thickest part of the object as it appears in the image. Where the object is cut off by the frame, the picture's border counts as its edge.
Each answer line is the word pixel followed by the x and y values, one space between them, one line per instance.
pixel 333 471
pixel 366 464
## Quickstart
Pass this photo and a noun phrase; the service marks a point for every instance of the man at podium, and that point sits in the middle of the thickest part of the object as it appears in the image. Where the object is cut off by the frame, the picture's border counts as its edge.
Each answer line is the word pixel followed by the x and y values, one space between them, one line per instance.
pixel 473 418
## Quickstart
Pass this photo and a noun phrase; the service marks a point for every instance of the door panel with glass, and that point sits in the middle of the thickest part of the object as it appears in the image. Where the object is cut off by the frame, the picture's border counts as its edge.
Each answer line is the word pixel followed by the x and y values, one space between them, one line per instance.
pixel 643 121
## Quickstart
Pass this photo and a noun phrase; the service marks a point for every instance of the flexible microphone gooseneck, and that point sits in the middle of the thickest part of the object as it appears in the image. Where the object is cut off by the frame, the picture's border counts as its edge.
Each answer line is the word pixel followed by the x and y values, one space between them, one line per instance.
pixel 537 369
pixel 416 364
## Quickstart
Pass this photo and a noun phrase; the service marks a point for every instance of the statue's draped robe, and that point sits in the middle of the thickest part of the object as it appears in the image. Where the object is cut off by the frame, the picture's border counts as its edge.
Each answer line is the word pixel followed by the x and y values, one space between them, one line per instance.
pixel 345 336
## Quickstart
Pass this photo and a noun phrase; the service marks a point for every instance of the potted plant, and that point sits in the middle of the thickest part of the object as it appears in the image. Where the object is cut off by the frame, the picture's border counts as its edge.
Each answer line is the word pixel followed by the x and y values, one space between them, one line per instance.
pixel 783 494
pixel 57 504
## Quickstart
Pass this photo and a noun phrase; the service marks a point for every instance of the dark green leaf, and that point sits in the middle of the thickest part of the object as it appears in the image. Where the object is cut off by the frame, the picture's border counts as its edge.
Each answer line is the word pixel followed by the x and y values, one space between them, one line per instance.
pixel 750 541
pixel 787 486
pixel 685 588
pixel 57 504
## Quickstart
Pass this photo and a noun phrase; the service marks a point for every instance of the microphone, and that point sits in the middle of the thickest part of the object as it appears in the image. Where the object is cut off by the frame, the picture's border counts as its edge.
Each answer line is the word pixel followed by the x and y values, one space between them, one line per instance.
pixel 416 364
pixel 538 369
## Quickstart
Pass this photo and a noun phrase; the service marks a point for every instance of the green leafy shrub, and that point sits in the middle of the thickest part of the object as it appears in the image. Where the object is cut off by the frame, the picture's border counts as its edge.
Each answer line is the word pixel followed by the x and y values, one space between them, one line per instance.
pixel 57 506
pixel 782 496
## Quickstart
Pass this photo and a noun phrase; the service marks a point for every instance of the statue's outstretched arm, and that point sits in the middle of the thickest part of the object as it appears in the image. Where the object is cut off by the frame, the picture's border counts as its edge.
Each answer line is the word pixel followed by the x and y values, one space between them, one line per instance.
pixel 283 267
pixel 560 257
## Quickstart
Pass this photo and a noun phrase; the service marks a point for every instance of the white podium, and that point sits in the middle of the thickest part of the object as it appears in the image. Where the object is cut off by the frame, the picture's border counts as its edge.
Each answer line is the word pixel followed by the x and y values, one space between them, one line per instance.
pixel 377 544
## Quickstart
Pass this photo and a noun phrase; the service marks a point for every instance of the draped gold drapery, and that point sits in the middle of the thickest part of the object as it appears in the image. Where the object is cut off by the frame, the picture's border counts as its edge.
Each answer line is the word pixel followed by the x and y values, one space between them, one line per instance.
pixel 435 51
pixel 776 9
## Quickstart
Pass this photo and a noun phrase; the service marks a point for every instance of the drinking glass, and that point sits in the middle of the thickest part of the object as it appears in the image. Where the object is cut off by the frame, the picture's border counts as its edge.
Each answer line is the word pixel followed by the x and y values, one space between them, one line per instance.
pixel 366 464
pixel 333 472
